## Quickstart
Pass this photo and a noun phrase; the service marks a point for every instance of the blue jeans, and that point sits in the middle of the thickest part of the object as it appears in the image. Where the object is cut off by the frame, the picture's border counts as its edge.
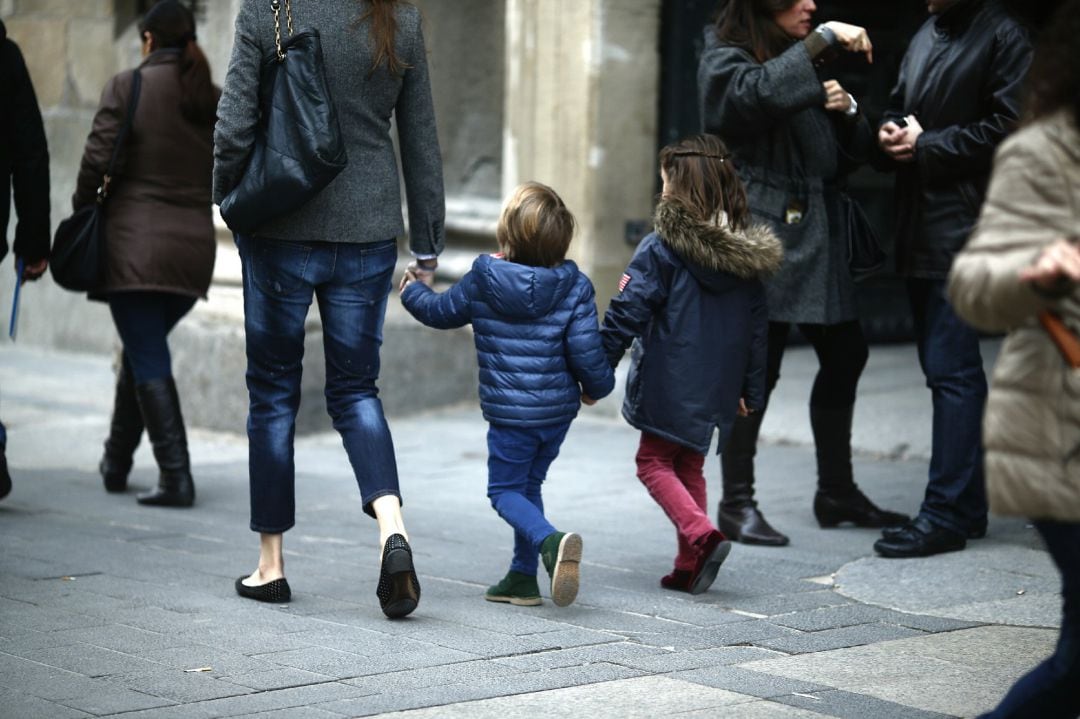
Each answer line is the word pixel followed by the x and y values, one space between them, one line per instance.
pixel 518 461
pixel 144 320
pixel 1050 690
pixel 351 283
pixel 950 359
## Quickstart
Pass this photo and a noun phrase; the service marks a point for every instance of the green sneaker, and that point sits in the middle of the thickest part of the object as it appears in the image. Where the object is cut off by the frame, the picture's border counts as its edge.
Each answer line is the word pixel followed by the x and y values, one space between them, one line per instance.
pixel 561 553
pixel 517 589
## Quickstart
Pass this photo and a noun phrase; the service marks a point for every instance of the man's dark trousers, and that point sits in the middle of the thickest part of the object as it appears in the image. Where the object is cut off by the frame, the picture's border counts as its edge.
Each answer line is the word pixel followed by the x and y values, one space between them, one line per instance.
pixel 950 359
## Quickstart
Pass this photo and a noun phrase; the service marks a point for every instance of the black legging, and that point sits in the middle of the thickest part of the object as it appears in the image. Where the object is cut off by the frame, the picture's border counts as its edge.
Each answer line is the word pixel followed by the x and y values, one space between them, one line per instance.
pixel 842 353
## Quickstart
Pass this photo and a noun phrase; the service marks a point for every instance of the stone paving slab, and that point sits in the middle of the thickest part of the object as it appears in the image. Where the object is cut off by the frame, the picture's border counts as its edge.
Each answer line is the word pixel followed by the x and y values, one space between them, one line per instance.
pixel 107 606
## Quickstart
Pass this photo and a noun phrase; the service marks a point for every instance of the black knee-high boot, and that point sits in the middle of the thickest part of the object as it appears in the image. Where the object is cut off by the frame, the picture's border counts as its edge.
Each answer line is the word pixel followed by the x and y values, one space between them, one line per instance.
pixel 160 406
pixel 125 431
pixel 838 498
pixel 738 516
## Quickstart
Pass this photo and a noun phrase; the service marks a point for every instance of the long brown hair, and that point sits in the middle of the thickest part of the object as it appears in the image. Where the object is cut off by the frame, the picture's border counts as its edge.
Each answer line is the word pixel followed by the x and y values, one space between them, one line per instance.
pixel 383 21
pixel 1054 78
pixel 171 25
pixel 749 24
pixel 535 227
pixel 701 178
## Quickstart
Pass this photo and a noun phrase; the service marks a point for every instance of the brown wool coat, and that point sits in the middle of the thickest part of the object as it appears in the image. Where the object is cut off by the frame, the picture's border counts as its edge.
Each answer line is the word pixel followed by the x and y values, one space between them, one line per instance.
pixel 1031 429
pixel 159 228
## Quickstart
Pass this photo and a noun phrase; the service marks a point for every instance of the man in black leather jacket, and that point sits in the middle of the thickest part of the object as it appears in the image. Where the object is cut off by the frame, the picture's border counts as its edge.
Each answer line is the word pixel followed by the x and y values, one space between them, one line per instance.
pixel 24 168
pixel 957 97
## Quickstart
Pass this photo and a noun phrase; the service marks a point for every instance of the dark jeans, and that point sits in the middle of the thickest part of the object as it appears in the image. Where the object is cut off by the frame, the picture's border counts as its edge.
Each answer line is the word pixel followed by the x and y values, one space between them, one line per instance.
pixel 1052 689
pixel 351 283
pixel 951 361
pixel 144 321
pixel 841 351
pixel 518 461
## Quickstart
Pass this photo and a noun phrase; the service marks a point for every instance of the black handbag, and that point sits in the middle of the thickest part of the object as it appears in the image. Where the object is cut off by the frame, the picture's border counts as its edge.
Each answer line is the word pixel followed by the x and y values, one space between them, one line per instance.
pixel 79 249
pixel 298 145
pixel 866 256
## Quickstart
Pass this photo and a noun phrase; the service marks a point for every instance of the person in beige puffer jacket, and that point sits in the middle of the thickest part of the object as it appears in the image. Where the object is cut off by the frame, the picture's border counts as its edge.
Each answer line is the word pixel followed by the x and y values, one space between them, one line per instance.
pixel 1024 260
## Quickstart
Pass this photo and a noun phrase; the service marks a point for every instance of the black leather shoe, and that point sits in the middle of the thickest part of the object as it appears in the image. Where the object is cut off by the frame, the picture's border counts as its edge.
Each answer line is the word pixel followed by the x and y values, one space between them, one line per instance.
pixel 399 589
pixel 276 592
pixel 747 525
pixel 976 532
pixel 854 507
pixel 920 538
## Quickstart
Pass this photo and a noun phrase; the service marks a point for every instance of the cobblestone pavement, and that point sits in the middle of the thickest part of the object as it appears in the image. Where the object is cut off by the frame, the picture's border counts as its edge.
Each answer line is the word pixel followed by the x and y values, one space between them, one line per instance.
pixel 112 609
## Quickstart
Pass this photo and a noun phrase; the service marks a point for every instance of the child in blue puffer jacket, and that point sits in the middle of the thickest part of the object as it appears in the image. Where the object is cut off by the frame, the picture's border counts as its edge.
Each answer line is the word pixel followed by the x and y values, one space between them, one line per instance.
pixel 538 343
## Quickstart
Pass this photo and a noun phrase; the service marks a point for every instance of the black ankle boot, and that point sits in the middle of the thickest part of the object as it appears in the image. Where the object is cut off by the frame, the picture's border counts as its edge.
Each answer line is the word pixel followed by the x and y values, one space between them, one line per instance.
pixel 738 516
pixel 160 406
pixel 125 431
pixel 838 498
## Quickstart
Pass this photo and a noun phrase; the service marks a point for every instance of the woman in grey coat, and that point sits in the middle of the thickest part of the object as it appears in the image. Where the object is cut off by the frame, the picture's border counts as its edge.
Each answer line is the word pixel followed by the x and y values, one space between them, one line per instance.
pixel 793 136
pixel 339 248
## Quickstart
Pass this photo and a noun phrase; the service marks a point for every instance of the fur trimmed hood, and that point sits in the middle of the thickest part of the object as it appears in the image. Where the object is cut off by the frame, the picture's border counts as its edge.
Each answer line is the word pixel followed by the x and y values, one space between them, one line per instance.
pixel 754 253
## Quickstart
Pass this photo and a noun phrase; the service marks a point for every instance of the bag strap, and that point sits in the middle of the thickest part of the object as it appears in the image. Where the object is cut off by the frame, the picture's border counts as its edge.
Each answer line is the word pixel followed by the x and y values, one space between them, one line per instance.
pixel 129 120
pixel 275 7
pixel 1064 339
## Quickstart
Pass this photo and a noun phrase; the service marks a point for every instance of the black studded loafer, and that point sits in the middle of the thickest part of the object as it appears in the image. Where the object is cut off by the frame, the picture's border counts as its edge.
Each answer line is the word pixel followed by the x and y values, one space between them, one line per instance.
pixel 275 592
pixel 399 589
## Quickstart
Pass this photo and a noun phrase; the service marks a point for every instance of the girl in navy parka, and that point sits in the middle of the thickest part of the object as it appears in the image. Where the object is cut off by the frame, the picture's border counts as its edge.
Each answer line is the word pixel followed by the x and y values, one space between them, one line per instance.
pixel 693 305
pixel 537 339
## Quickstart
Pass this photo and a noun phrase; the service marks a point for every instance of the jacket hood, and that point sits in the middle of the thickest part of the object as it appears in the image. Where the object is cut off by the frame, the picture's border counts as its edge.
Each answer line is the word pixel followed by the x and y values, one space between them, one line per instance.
pixel 712 250
pixel 523 291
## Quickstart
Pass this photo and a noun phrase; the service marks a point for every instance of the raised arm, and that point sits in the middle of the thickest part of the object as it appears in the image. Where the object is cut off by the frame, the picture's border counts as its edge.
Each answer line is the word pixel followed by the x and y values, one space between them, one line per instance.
pixel 740 96
pixel 441 310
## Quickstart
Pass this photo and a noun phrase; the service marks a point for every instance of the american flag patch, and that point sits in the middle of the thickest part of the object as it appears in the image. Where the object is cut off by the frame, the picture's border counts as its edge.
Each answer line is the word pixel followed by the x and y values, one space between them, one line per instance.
pixel 624 281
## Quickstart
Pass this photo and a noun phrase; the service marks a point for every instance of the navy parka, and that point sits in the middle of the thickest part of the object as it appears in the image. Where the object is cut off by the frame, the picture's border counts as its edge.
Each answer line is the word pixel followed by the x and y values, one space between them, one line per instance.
pixel 537 337
pixel 693 305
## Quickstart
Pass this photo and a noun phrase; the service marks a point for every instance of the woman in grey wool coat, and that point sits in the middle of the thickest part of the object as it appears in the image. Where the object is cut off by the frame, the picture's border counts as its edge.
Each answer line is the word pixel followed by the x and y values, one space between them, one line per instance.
pixel 793 136
pixel 339 247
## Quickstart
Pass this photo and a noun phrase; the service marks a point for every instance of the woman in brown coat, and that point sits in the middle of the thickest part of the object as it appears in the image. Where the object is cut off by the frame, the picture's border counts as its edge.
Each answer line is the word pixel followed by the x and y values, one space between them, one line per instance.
pixel 160 237
pixel 1024 262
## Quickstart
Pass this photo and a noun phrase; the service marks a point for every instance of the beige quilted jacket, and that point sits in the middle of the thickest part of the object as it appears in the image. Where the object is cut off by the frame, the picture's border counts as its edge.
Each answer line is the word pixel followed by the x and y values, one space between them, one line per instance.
pixel 1032 425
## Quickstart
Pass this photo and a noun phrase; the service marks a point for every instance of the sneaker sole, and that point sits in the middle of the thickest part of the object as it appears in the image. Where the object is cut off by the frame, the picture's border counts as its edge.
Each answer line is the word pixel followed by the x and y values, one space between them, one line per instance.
pixel 567 574
pixel 712 566
pixel 516 601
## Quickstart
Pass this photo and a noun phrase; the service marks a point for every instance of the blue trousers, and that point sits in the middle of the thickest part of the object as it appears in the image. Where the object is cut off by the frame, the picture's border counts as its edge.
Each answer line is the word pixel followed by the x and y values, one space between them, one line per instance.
pixel 1052 689
pixel 144 320
pixel 950 359
pixel 351 283
pixel 518 462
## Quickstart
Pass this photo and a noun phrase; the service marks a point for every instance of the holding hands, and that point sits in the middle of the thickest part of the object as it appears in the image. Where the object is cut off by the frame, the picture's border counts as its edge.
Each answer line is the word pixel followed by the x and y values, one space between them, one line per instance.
pixel 899 142
pixel 418 271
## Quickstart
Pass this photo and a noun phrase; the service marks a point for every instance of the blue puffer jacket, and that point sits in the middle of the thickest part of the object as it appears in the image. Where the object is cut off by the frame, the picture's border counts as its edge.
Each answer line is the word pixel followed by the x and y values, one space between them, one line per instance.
pixel 537 337
pixel 693 305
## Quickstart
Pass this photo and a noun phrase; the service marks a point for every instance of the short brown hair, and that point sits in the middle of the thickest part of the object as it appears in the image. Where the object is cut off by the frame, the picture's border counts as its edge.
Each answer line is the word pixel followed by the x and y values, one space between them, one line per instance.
pixel 702 178
pixel 536 227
